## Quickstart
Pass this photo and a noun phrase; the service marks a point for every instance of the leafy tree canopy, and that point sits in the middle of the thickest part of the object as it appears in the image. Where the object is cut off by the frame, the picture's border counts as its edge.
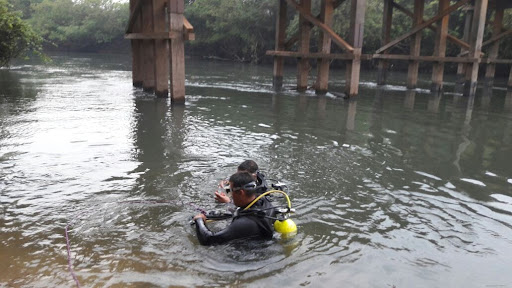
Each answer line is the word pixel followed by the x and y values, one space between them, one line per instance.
pixel 16 36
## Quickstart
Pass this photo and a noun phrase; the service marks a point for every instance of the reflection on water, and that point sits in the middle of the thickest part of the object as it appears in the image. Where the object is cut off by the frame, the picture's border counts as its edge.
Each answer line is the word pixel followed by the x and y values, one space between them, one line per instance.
pixel 395 188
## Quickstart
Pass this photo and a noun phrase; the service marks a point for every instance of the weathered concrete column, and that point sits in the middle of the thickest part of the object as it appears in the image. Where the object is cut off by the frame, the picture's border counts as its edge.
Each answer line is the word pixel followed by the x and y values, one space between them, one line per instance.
pixel 412 75
pixel 177 51
pixel 148 50
pixel 324 44
pixel 477 34
pixel 440 48
pixel 303 66
pixel 161 54
pixel 136 50
pixel 356 32
pixel 386 38
pixel 281 23
pixel 493 52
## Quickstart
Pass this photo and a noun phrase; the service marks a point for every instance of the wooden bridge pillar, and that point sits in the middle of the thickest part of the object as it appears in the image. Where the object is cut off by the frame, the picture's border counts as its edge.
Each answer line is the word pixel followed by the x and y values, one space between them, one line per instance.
pixel 137 77
pixel 412 75
pixel 493 52
pixel 358 10
pixel 303 66
pixel 461 67
pixel 324 44
pixel 475 50
pixel 177 50
pixel 281 22
pixel 386 38
pixel 158 29
pixel 148 58
pixel 440 47
pixel 160 51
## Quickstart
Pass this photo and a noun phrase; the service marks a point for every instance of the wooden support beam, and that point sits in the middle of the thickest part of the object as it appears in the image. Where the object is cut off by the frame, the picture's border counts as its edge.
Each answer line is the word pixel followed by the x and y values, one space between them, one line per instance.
pixel 432 27
pixel 135 14
pixel 423 25
pixel 137 78
pixel 329 56
pixel 412 75
pixel 461 68
pixel 148 49
pixel 177 51
pixel 497 37
pixel 188 30
pixel 303 66
pixel 161 54
pixel 387 18
pixel 153 36
pixel 440 48
pixel 426 58
pixel 324 44
pixel 281 24
pixel 477 34
pixel 493 52
pixel 307 15
pixel 289 43
pixel 356 32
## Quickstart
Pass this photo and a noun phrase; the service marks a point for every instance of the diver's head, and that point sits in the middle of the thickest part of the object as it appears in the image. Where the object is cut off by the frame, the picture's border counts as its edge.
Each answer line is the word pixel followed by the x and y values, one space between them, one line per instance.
pixel 243 188
pixel 248 166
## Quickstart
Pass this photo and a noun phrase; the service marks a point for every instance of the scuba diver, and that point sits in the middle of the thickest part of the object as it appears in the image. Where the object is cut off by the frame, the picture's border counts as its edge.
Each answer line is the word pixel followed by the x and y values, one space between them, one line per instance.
pixel 254 217
pixel 247 166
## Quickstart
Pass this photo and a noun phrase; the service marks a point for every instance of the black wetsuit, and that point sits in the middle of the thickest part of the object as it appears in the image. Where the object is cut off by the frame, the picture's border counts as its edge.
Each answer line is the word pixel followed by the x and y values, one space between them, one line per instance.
pixel 250 223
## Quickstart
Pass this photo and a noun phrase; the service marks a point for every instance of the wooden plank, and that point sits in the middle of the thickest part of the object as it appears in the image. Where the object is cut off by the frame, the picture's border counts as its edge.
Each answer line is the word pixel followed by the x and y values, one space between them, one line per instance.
pixel 152 36
pixel 412 75
pixel 303 66
pixel 188 30
pixel 292 54
pixel 496 61
pixel 422 26
pixel 177 52
pixel 432 27
pixel 281 24
pixel 493 52
pixel 461 68
pixel 135 11
pixel 148 48
pixel 161 54
pixel 290 42
pixel 335 37
pixel 136 49
pixel 426 58
pixel 324 42
pixel 497 37
pixel 356 32
pixel 440 47
pixel 387 19
pixel 477 34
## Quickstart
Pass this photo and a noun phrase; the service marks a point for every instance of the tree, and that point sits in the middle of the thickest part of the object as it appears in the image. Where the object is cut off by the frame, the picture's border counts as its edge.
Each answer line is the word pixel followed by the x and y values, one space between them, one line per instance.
pixel 16 36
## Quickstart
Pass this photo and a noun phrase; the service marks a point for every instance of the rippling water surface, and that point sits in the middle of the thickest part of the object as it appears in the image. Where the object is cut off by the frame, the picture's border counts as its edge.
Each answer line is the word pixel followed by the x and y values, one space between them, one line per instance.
pixel 399 188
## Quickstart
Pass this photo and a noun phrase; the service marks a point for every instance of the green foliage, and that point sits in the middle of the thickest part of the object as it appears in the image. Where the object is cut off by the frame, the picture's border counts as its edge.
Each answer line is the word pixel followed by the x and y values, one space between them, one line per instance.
pixel 80 24
pixel 16 36
pixel 234 29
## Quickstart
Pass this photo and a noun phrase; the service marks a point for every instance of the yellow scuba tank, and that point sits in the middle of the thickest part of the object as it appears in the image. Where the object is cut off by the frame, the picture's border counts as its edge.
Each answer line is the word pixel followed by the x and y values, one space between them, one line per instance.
pixel 286 226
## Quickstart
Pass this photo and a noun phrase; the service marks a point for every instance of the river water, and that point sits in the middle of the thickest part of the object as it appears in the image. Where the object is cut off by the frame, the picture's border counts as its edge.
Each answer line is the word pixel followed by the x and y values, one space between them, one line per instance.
pixel 399 188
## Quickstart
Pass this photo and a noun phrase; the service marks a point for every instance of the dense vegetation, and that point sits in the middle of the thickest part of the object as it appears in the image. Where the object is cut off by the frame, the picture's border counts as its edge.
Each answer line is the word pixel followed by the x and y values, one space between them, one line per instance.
pixel 16 36
pixel 228 29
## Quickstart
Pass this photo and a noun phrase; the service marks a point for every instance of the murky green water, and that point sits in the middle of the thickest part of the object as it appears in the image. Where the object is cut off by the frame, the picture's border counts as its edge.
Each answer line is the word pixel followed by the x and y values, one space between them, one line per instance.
pixel 399 188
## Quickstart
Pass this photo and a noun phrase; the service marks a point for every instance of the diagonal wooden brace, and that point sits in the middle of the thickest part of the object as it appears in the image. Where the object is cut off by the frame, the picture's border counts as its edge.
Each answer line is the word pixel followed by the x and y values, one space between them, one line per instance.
pixel 313 20
pixel 422 26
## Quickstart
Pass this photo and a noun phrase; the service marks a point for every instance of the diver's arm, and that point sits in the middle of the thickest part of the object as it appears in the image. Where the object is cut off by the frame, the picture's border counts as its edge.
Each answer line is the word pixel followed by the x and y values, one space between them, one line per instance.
pixel 240 228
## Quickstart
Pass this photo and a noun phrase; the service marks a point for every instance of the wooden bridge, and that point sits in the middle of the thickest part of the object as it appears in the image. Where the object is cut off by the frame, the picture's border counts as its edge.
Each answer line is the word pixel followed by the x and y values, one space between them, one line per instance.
pixel 158 30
